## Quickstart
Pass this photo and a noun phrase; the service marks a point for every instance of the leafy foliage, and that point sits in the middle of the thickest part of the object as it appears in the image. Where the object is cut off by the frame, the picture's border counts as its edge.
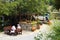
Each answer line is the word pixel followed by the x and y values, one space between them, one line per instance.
pixel 24 6
pixel 54 33
pixel 56 28
pixel 57 4
pixel 12 8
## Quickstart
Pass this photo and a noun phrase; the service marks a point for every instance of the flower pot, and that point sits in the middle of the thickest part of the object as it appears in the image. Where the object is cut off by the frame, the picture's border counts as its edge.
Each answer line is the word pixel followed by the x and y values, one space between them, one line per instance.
pixel 38 26
pixel 49 23
pixel 33 28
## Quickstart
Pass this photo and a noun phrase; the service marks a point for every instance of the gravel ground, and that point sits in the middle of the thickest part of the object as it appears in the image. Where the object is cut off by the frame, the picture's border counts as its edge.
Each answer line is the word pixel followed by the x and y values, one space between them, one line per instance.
pixel 27 35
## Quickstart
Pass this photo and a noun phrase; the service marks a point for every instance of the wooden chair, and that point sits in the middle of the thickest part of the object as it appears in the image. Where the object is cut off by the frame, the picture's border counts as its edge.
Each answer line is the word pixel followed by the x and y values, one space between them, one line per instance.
pixel 7 29
pixel 19 31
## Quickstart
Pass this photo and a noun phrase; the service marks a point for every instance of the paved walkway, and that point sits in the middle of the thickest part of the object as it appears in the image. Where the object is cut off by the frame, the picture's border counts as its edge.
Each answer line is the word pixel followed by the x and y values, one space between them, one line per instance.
pixel 27 35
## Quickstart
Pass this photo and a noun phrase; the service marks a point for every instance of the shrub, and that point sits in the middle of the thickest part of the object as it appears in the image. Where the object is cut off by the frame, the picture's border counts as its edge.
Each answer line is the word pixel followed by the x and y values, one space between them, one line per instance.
pixel 54 33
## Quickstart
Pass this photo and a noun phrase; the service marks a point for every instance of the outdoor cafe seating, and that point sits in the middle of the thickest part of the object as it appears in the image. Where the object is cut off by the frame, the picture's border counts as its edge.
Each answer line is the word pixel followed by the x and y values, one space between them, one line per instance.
pixel 8 30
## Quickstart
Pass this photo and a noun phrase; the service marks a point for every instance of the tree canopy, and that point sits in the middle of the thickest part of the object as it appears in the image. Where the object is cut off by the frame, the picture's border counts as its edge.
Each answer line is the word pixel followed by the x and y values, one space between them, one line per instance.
pixel 23 6
pixel 57 4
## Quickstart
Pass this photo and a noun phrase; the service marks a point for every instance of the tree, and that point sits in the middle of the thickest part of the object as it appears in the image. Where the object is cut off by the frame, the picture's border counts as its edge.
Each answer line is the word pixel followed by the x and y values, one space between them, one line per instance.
pixel 23 6
pixel 33 6
pixel 57 4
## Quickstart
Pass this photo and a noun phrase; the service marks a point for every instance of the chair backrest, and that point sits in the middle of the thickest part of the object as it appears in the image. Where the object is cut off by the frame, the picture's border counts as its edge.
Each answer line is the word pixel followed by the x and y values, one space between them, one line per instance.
pixel 7 28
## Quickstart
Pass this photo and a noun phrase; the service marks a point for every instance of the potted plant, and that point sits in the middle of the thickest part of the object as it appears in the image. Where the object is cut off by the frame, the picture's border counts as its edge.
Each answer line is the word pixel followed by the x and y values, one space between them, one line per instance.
pixel 49 22
pixel 33 27
pixel 39 24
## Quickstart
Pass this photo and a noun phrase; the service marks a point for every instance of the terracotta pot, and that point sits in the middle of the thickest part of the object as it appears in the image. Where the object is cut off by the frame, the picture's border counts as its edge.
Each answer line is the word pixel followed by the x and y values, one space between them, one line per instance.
pixel 33 28
pixel 38 26
pixel 49 23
